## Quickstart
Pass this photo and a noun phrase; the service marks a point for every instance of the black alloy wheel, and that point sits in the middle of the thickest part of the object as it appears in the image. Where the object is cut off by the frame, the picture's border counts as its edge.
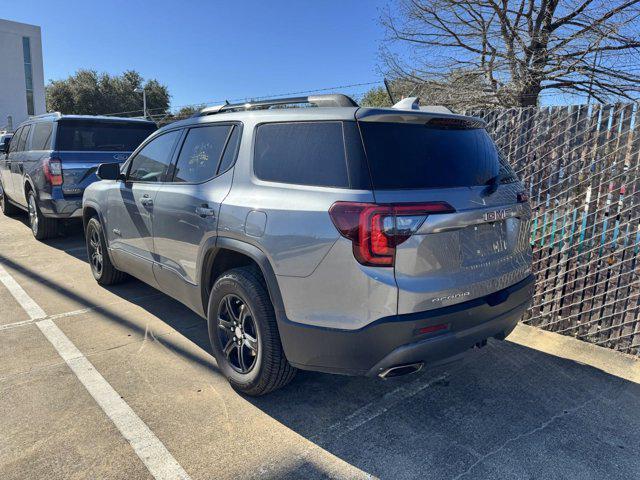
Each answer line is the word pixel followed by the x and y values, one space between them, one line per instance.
pixel 238 333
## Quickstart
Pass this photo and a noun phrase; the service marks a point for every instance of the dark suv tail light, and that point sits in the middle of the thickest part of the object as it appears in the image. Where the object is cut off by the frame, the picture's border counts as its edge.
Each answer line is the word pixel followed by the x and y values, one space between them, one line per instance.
pixel 377 229
pixel 52 168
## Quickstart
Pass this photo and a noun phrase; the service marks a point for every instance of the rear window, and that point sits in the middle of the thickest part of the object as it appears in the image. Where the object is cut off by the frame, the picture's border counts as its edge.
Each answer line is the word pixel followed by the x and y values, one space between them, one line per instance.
pixel 303 153
pixel 407 155
pixel 101 136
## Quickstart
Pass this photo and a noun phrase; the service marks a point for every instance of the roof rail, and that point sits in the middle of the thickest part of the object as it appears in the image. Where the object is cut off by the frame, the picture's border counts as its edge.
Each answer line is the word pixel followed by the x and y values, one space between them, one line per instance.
pixel 48 114
pixel 328 100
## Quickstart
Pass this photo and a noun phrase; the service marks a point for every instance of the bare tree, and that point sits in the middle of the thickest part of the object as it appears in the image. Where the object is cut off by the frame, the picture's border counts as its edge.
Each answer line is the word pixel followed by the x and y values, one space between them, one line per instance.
pixel 516 49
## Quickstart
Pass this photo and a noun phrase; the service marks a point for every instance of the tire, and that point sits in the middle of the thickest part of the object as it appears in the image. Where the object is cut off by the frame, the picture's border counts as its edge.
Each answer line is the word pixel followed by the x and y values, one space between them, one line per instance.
pixel 101 267
pixel 42 227
pixel 8 208
pixel 269 368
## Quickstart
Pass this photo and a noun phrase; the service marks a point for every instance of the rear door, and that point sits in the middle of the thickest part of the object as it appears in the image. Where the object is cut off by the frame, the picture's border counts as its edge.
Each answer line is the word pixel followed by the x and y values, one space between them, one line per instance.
pixel 187 206
pixel 18 165
pixel 130 208
pixel 479 246
pixel 36 150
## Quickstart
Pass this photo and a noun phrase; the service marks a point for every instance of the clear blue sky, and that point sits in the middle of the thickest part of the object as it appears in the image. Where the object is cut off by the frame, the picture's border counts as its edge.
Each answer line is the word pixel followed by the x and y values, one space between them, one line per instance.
pixel 209 50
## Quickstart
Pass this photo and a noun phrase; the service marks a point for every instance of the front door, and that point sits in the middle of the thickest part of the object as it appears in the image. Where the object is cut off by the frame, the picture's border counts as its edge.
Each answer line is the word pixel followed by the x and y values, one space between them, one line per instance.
pixel 187 206
pixel 130 210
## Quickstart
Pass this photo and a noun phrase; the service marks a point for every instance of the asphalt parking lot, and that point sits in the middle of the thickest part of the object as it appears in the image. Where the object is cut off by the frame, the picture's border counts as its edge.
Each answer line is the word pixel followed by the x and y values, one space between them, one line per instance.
pixel 535 406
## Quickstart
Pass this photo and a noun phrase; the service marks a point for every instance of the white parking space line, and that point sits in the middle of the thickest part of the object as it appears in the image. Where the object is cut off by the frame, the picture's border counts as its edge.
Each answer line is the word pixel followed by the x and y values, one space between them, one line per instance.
pixel 26 302
pixel 147 446
pixel 16 324
pixel 74 313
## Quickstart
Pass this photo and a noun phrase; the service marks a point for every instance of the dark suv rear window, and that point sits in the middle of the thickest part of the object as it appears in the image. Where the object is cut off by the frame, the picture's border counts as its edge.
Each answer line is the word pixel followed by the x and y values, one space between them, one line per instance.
pixel 101 136
pixel 304 153
pixel 407 155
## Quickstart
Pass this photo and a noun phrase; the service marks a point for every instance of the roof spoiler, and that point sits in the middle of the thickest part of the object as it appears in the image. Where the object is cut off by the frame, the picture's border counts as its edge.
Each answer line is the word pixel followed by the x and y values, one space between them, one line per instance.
pixel 413 103
pixel 328 100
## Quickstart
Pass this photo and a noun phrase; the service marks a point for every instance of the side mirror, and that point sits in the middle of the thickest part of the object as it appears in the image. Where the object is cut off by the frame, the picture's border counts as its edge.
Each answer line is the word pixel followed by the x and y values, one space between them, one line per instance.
pixel 109 171
pixel 4 146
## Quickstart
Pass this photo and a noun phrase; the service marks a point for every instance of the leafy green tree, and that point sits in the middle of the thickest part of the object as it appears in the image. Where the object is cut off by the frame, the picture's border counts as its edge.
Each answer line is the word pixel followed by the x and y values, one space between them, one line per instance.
pixel 376 97
pixel 88 92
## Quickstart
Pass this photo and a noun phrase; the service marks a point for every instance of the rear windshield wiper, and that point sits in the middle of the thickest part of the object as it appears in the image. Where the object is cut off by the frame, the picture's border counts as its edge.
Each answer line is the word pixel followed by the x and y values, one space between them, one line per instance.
pixel 493 183
pixel 113 146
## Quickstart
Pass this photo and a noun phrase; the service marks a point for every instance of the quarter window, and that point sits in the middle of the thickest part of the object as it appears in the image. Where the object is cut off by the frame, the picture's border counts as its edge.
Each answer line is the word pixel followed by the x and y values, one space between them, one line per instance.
pixel 152 162
pixel 230 151
pixel 200 154
pixel 41 139
pixel 22 143
pixel 304 153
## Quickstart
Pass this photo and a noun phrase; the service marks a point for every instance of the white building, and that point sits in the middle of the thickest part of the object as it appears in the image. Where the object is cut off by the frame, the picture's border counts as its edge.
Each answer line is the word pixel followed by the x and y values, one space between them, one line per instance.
pixel 21 73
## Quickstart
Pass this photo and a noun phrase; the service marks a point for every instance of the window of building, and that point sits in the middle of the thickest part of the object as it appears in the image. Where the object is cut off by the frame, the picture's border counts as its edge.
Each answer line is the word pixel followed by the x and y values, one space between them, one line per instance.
pixel 28 74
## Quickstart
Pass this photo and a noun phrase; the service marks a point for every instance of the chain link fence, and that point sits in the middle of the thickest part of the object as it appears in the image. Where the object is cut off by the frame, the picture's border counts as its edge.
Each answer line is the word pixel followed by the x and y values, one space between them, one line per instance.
pixel 580 165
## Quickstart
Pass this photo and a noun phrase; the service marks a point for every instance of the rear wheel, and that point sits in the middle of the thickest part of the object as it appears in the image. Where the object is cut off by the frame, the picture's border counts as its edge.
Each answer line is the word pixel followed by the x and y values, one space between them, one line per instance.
pixel 8 208
pixel 103 270
pixel 42 227
pixel 244 334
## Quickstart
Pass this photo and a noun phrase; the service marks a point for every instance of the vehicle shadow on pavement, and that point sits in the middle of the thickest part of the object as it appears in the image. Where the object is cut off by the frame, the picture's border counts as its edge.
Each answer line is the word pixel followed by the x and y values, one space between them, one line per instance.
pixel 505 411
pixel 171 312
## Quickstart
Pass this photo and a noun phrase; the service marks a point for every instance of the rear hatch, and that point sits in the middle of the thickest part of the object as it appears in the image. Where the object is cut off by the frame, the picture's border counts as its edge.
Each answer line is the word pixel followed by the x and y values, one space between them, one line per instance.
pixel 474 246
pixel 83 144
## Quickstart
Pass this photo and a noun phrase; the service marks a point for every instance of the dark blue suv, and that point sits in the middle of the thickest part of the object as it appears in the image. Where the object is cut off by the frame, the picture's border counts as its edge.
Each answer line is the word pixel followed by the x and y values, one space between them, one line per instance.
pixel 52 158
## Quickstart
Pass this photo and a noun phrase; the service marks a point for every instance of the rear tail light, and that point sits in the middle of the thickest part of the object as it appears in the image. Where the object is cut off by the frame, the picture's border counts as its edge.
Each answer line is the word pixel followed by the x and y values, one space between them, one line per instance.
pixel 376 230
pixel 52 168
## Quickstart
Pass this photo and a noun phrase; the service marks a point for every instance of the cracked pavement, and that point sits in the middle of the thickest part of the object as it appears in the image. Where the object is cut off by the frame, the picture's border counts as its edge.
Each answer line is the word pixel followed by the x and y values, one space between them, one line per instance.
pixel 535 406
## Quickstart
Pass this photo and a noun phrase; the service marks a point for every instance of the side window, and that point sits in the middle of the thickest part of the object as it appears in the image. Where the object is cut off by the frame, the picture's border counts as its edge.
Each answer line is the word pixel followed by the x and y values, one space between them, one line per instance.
pixel 41 139
pixel 13 146
pixel 152 162
pixel 231 150
pixel 22 143
pixel 200 153
pixel 305 153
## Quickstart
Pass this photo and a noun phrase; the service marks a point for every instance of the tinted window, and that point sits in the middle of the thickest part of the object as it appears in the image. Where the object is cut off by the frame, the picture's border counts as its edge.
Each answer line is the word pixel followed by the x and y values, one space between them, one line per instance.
pixel 420 156
pixel 87 135
pixel 200 153
pixel 303 153
pixel 22 142
pixel 230 151
pixel 15 140
pixel 41 139
pixel 152 162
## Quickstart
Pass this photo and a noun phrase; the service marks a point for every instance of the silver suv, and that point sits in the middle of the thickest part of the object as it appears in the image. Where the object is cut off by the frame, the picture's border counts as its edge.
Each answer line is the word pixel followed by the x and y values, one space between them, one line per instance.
pixel 360 241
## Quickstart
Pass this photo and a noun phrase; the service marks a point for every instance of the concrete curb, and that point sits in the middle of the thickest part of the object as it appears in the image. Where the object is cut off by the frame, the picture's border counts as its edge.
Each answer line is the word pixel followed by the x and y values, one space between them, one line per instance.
pixel 605 359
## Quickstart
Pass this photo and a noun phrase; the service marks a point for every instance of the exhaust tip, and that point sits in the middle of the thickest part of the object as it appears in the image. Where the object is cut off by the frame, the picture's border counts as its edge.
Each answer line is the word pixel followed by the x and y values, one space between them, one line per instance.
pixel 400 370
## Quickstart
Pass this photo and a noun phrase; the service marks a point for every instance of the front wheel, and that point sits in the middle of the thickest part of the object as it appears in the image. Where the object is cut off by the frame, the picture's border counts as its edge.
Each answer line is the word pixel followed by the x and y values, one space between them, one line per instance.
pixel 101 267
pixel 42 227
pixel 244 334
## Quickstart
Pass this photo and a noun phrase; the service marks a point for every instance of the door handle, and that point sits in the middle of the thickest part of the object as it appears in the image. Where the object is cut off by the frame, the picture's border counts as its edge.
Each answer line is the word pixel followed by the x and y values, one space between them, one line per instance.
pixel 146 201
pixel 205 211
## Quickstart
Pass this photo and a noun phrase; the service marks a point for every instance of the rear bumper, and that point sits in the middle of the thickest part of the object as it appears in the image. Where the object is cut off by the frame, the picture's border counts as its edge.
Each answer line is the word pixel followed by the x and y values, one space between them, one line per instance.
pixel 61 208
pixel 396 340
